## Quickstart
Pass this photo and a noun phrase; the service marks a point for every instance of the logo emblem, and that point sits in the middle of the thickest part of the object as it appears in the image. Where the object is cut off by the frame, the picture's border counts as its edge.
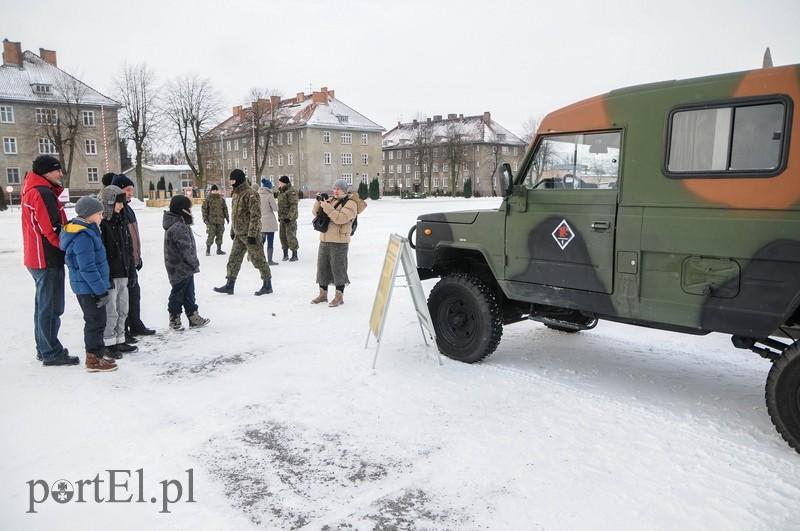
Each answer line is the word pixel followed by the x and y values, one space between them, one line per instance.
pixel 62 491
pixel 563 234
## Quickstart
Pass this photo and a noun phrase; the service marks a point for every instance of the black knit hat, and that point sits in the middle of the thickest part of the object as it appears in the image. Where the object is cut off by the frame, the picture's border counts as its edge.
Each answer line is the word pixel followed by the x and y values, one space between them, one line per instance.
pixel 107 178
pixel 45 164
pixel 181 205
pixel 237 176
pixel 214 187
pixel 284 179
pixel 122 181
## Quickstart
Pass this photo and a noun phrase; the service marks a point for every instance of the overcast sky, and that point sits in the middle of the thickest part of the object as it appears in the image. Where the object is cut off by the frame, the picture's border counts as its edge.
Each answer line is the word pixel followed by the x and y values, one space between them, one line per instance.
pixel 391 60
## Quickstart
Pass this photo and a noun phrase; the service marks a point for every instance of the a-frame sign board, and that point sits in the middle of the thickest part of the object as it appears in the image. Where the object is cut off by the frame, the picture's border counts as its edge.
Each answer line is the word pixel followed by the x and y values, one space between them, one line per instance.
pixel 399 252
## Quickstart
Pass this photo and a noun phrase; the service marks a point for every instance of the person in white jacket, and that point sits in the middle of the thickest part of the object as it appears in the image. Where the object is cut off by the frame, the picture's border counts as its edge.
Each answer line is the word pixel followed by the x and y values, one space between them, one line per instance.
pixel 269 222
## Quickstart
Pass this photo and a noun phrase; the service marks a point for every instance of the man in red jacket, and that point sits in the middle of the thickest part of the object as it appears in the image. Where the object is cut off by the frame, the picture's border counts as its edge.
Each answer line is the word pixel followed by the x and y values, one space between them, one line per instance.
pixel 42 218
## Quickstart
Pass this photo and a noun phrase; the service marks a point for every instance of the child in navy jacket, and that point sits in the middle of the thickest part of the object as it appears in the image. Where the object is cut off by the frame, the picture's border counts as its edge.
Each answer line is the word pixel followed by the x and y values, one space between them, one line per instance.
pixel 85 257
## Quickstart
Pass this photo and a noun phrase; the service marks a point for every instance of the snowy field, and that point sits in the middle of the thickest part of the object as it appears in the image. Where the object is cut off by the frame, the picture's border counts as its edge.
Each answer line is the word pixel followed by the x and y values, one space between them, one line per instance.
pixel 275 409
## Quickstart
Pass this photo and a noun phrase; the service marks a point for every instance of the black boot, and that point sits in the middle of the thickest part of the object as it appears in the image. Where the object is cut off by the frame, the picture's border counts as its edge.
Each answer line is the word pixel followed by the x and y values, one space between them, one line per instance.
pixel 294 256
pixel 266 288
pixel 269 257
pixel 208 250
pixel 285 255
pixel 219 250
pixel 227 288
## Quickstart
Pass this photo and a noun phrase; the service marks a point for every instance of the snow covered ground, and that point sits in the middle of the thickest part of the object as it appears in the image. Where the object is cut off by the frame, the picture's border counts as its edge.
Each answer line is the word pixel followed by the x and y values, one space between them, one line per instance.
pixel 276 410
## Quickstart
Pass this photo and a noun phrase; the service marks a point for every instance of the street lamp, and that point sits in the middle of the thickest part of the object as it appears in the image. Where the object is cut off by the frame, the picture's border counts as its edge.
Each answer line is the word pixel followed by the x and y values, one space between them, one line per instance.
pixel 222 163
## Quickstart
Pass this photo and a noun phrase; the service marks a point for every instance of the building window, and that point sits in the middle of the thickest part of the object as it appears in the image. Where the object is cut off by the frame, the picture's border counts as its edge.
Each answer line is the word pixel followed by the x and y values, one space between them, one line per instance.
pixel 88 118
pixel 47 147
pixel 348 177
pixel 230 164
pixel 364 139
pixel 9 145
pixel 435 152
pixel 236 145
pixel 91 146
pixel 244 153
pixel 347 159
pixel 391 168
pixel 391 155
pixel 515 150
pixel 365 178
pixel 364 159
pixel 408 182
pixel 6 114
pixel 425 167
pixel 505 150
pixel 229 145
pixel 408 154
pixel 289 138
pixel 347 138
pixel 343 119
pixel 280 159
pixel 445 167
pixel 237 164
pixel 92 175
pixel 12 175
pixel 408 168
pixel 436 182
pixel 46 116
pixel 326 137
pixel 280 139
pixel 435 167
pixel 290 159
pixel 41 88
pixel 326 157
pixel 269 160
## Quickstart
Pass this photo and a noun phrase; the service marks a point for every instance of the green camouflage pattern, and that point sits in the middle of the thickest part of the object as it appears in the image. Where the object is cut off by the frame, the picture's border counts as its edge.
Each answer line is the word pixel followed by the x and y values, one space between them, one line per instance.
pixel 215 209
pixel 255 253
pixel 288 235
pixel 696 252
pixel 216 232
pixel 287 203
pixel 245 211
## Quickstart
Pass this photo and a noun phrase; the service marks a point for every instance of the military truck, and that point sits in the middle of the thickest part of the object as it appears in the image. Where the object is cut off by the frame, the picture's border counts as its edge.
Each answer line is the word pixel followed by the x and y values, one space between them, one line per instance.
pixel 672 205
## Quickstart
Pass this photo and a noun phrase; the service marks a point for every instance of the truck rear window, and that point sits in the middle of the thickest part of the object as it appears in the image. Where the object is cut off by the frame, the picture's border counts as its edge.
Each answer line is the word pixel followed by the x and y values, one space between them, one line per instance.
pixel 726 140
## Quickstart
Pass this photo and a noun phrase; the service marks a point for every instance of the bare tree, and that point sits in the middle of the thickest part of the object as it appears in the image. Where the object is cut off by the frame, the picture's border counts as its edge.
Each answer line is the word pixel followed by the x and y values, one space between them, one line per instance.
pixel 191 106
pixel 266 121
pixel 529 128
pixel 453 143
pixel 422 138
pixel 62 124
pixel 136 90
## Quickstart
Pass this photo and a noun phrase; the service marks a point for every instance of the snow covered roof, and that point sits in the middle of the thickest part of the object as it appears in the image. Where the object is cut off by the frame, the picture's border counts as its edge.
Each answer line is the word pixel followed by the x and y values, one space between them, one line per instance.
pixel 320 109
pixel 161 167
pixel 477 129
pixel 17 83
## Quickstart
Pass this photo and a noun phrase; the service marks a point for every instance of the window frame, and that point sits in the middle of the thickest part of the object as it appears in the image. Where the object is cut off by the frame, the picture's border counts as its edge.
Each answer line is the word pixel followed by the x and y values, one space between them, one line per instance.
pixel 731 103
pixel 9 112
pixel 93 178
pixel 90 116
pixel 8 176
pixel 87 143
pixel 12 142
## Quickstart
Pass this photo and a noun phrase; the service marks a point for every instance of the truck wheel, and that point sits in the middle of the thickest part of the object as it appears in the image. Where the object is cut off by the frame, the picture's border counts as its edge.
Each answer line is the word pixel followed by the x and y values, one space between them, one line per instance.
pixel 783 395
pixel 466 318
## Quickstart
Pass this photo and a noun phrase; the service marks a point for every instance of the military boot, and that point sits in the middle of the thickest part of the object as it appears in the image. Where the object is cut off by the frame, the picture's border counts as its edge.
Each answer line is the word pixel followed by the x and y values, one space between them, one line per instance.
pixel 266 288
pixel 227 288
pixel 285 255
pixel 294 256
pixel 322 297
pixel 196 321
pixel 219 250
pixel 338 300
pixel 208 250
pixel 269 257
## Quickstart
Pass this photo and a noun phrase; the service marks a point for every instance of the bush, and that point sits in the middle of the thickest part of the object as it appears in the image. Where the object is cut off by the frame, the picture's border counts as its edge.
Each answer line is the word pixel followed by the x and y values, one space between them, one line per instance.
pixel 162 185
pixel 467 187
pixel 363 190
pixel 374 189
pixel 152 187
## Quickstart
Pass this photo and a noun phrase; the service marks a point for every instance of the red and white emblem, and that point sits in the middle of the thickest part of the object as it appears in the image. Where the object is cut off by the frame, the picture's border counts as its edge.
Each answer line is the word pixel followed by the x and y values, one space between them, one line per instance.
pixel 563 234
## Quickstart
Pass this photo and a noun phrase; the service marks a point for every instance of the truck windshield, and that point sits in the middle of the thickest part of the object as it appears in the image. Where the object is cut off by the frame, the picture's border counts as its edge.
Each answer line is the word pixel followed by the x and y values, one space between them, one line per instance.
pixel 575 161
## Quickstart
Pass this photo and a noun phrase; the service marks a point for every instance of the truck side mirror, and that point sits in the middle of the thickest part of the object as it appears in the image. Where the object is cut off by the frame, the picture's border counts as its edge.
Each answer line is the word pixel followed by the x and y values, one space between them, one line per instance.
pixel 505 180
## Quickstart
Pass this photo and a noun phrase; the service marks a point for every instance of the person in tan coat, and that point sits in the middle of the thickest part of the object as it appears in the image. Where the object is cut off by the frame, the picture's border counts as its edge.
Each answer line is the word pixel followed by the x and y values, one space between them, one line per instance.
pixel 269 223
pixel 342 210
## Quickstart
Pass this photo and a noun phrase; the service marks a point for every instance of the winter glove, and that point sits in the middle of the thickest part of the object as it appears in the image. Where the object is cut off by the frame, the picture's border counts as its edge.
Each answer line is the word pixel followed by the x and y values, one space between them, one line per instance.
pixel 132 281
pixel 139 265
pixel 251 240
pixel 233 236
pixel 286 220
pixel 101 300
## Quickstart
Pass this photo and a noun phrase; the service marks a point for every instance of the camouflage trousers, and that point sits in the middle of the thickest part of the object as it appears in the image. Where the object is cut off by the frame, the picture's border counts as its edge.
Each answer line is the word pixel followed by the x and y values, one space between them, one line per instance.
pixel 288 234
pixel 215 231
pixel 255 254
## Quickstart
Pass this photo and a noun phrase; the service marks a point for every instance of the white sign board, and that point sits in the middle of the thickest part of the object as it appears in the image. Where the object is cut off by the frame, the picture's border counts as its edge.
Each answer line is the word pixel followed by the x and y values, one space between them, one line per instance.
pixel 64 196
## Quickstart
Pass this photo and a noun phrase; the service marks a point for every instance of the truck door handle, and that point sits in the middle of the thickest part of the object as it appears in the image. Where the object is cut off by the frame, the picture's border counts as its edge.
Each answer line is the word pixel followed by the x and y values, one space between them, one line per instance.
pixel 600 225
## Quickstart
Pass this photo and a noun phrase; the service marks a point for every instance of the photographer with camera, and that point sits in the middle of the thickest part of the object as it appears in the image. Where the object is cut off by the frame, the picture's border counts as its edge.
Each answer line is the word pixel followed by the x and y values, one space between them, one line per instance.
pixel 335 219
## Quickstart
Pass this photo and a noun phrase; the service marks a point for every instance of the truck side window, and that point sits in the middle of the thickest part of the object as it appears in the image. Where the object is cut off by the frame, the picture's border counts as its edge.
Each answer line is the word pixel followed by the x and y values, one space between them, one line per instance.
pixel 579 161
pixel 727 139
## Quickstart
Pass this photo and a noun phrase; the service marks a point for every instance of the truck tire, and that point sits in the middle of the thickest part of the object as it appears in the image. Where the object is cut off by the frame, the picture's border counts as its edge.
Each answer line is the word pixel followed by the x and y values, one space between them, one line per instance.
pixel 783 395
pixel 466 317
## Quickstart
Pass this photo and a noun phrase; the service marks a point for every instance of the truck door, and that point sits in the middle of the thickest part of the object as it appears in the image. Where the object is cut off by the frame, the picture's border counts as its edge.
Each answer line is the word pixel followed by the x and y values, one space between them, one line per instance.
pixel 562 216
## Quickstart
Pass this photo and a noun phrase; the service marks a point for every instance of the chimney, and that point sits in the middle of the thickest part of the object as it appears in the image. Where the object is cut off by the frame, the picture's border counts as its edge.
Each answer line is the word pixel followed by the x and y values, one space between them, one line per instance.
pixel 320 97
pixel 451 116
pixel 237 110
pixel 460 116
pixel 48 56
pixel 12 53
pixel 332 93
pixel 429 119
pixel 437 117
pixel 487 118
pixel 300 98
pixel 275 101
pixel 415 123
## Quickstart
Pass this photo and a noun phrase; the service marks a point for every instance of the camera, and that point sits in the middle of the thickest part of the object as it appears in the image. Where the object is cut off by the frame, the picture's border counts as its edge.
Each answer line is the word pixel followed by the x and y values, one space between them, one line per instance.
pixel 322 196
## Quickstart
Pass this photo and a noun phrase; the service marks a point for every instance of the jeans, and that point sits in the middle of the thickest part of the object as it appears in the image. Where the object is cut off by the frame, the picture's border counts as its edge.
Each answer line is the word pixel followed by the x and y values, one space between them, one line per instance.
pixel 116 312
pixel 48 309
pixel 182 295
pixel 94 322
pixel 268 237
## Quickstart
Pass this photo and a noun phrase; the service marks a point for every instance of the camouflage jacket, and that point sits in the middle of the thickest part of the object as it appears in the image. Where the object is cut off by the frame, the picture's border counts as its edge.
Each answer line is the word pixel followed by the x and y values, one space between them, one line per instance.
pixel 287 203
pixel 246 211
pixel 215 210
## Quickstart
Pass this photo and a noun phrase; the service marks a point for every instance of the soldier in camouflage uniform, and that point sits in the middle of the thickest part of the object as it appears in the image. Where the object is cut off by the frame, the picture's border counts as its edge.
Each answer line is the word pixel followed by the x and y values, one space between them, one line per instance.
pixel 215 215
pixel 287 215
pixel 246 233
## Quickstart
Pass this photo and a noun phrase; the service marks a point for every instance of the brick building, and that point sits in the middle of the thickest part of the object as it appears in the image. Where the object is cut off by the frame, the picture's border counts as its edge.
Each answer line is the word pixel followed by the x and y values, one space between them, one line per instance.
pixel 420 152
pixel 317 139
pixel 36 97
